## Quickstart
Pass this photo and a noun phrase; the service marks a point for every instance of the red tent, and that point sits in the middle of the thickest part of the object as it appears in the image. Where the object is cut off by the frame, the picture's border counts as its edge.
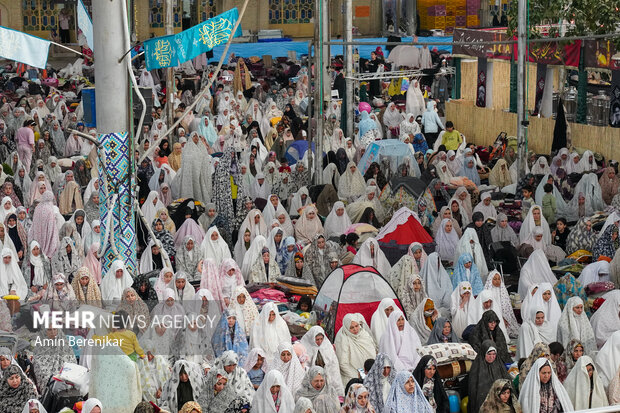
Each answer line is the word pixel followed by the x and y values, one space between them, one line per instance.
pixel 354 289
pixel 404 228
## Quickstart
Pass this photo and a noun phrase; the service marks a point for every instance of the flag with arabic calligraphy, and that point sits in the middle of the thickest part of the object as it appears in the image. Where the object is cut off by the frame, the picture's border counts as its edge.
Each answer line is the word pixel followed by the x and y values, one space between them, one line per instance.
pixel 174 49
pixel 23 47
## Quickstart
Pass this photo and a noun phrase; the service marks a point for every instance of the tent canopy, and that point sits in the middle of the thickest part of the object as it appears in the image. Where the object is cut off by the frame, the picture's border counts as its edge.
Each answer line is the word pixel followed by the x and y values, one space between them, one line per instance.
pixel 392 151
pixel 404 228
pixel 415 186
pixel 354 289
pixel 296 151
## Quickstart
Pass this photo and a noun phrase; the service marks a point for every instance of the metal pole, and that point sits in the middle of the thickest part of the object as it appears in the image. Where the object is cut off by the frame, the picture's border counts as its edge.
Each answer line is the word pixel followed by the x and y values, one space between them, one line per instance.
pixel 111 38
pixel 349 66
pixel 169 25
pixel 112 76
pixel 521 87
pixel 318 89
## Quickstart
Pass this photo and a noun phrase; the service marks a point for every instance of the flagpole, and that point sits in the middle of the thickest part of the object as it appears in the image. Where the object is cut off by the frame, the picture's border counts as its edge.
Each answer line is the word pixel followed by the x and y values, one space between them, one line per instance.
pixel 67 48
pixel 206 88
pixel 169 24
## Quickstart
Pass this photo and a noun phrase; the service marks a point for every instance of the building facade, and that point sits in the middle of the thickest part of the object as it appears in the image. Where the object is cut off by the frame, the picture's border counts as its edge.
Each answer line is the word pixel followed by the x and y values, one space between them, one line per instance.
pixel 294 17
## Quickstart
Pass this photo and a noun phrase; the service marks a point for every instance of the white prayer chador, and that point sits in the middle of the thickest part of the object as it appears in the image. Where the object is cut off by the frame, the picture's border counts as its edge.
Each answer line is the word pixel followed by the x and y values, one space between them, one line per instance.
pixel 371 255
pixel 400 345
pixel 484 297
pixel 353 349
pixel 151 206
pixel 552 308
pixel 530 333
pixel 436 281
pixel 608 359
pixel 606 320
pixel 529 224
pixel 379 320
pixel 292 371
pixel 269 334
pixel 112 287
pixel 536 270
pixel 185 296
pixel 488 211
pixel 529 397
pixel 217 249
pixel 263 402
pixel 336 225
pixel 327 354
pixel 11 278
pixel 578 385
pixel 252 254
pixel 469 243
pixel 462 314
pixel 351 184
pixel 595 272
pixel 573 326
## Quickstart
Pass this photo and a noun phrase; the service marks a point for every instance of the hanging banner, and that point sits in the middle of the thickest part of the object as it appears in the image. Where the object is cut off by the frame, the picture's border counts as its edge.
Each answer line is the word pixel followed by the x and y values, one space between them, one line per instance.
pixel 174 49
pixel 493 51
pixel 23 47
pixel 601 53
pixel 85 24
pixel 481 90
pixel 541 74
pixel 614 104
pixel 553 53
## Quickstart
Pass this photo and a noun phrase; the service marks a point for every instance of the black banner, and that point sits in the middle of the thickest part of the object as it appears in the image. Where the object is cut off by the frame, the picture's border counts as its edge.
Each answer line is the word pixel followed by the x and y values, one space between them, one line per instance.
pixel 481 91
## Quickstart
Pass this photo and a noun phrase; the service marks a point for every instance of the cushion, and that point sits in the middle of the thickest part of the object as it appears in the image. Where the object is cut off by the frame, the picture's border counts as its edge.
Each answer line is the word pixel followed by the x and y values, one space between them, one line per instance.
pixel 448 352
pixel 599 287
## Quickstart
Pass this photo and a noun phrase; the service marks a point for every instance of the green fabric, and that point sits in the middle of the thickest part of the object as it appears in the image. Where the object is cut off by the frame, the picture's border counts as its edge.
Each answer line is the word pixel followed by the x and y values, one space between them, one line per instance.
pixel 363 93
pixel 582 91
pixel 549 207
pixel 513 86
pixel 451 140
pixel 456 90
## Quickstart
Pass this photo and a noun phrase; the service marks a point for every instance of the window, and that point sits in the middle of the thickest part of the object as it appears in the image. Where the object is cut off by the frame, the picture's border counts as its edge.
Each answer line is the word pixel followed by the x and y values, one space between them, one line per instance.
pixel 206 10
pixel 39 15
pixel 290 11
pixel 157 15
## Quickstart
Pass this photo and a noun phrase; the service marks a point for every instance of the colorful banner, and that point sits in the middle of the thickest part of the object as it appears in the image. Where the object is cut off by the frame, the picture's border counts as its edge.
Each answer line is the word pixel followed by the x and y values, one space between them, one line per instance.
pixel 85 24
pixel 554 53
pixel 172 50
pixel 602 54
pixel 493 51
pixel 117 169
pixel 23 47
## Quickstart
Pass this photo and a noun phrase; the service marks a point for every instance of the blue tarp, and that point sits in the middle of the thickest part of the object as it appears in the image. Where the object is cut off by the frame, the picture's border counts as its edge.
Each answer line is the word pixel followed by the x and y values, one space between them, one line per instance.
pixel 281 48
pixel 296 151
pixel 393 149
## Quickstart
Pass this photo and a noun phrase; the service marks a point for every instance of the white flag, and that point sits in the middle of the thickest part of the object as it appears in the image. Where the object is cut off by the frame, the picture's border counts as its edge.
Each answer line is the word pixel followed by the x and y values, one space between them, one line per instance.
pixel 85 24
pixel 23 47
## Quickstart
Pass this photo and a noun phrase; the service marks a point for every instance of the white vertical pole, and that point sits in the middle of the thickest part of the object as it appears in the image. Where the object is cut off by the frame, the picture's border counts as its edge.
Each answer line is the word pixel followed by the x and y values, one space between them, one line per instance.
pixel 349 67
pixel 112 76
pixel 169 25
pixel 521 86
